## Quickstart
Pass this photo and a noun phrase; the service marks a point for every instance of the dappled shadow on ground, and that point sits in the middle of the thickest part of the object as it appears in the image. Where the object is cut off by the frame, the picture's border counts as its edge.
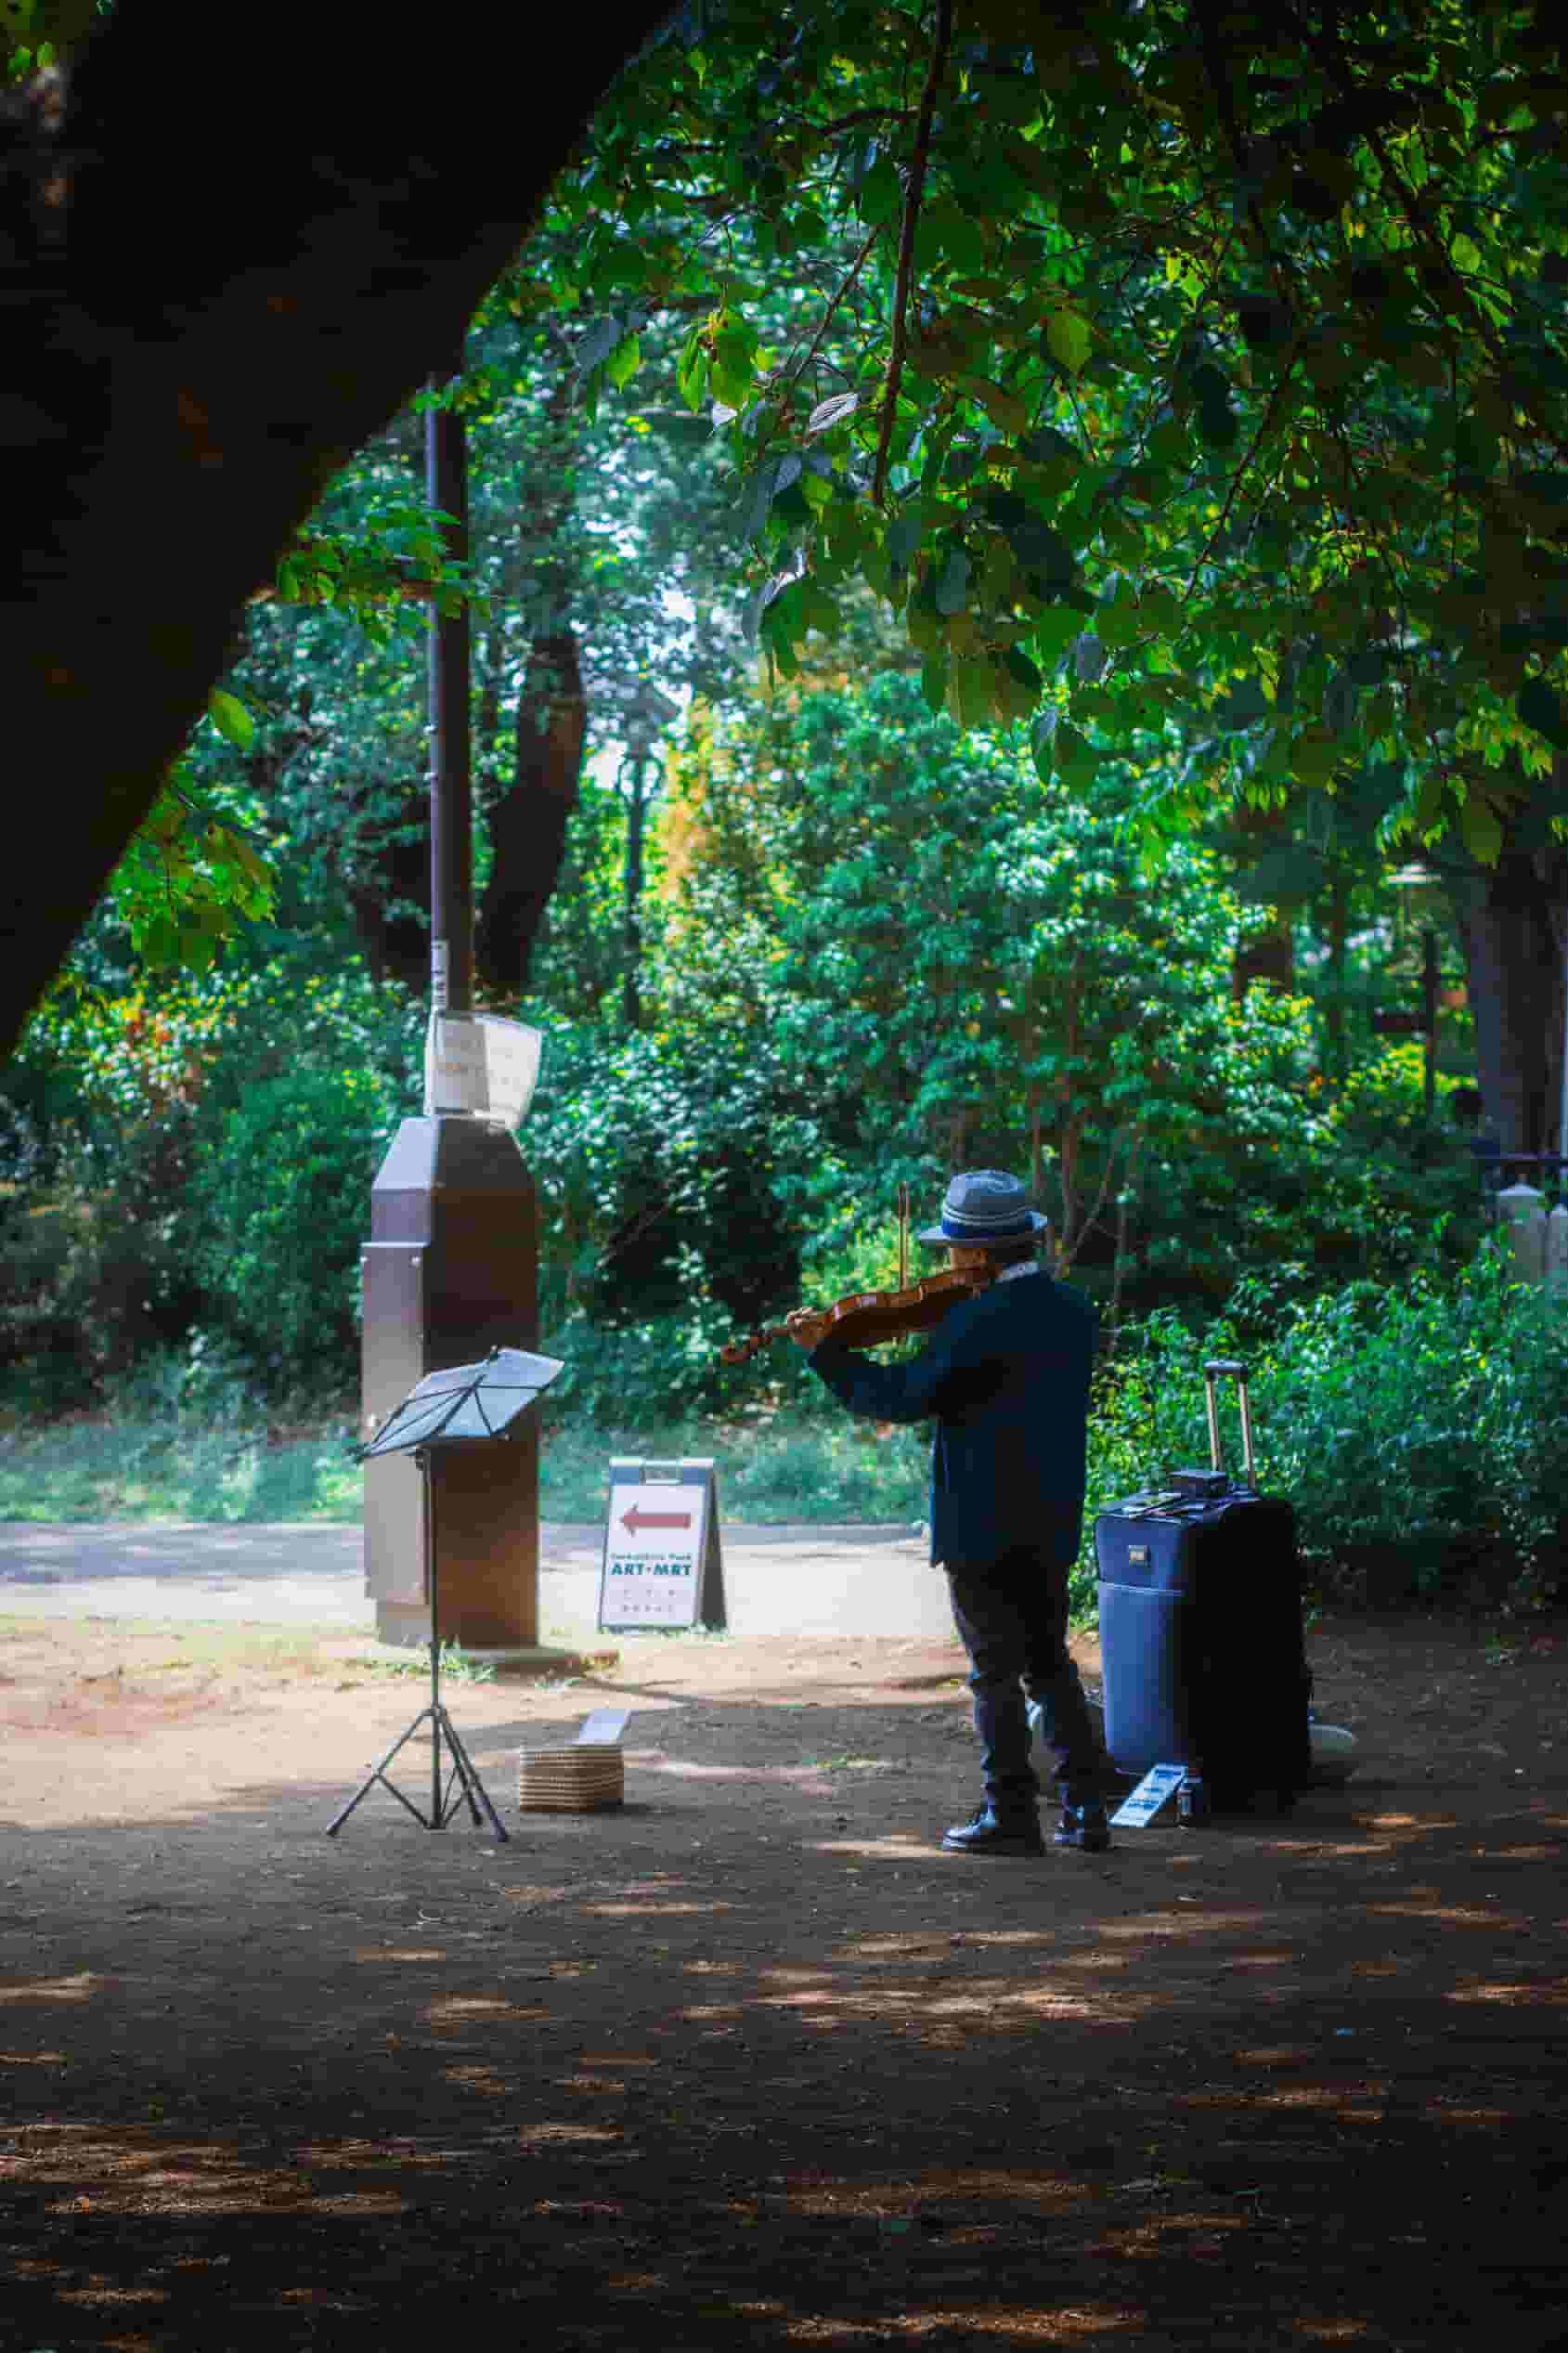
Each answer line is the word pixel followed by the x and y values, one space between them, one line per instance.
pixel 753 2062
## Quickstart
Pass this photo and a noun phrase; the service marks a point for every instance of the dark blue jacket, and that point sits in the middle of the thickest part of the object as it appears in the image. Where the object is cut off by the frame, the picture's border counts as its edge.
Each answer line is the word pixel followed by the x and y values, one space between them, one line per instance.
pixel 1006 1376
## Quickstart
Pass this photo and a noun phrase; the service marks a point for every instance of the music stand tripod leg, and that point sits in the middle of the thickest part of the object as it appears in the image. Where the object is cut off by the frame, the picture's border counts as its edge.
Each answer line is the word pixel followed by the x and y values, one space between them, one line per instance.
pixel 465 1774
pixel 377 1773
pixel 443 1801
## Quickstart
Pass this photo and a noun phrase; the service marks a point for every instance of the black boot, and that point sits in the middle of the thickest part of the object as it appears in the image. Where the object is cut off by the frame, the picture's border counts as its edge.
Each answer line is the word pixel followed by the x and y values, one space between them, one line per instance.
pixel 1084 1827
pixel 988 1832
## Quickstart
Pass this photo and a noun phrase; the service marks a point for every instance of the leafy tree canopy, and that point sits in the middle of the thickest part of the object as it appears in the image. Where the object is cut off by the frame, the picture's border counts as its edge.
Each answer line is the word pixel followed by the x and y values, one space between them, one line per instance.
pixel 1198 365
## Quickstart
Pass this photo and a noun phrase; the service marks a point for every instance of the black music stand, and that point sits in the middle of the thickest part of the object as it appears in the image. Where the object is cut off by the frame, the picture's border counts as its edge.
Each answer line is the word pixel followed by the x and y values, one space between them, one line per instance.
pixel 469 1405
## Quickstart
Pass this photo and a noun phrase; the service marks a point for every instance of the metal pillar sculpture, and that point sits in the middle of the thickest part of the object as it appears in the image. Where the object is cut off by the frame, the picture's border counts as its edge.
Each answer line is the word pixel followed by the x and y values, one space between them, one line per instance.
pixel 451 1266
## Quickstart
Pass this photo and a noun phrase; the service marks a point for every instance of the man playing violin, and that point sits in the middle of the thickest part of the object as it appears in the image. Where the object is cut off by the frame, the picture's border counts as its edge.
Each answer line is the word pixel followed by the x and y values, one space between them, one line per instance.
pixel 1005 1378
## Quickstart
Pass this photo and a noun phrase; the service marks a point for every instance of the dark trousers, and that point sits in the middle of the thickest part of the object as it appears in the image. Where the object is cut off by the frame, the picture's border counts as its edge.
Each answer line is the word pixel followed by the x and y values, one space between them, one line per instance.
pixel 1012 1619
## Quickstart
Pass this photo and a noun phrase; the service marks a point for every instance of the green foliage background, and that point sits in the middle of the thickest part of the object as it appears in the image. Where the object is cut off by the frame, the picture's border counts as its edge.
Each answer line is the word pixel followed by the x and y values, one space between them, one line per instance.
pixel 1096 487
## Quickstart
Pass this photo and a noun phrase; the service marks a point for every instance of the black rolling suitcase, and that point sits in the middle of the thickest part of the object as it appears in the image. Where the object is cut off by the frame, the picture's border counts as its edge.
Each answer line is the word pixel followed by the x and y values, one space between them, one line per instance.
pixel 1202 1646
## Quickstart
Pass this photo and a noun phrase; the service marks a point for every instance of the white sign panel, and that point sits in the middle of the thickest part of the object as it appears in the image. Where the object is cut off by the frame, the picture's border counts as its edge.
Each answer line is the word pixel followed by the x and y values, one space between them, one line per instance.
pixel 661 1548
pixel 476 1062
pixel 603 1728
pixel 1158 1787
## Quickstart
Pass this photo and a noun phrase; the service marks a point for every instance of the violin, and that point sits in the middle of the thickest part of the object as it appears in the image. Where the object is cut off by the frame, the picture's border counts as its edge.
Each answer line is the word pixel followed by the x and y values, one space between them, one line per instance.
pixel 863 1318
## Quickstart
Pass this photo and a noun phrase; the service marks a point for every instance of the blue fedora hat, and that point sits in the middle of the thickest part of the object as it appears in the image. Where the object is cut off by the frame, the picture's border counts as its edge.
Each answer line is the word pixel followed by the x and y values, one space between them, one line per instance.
pixel 984 1205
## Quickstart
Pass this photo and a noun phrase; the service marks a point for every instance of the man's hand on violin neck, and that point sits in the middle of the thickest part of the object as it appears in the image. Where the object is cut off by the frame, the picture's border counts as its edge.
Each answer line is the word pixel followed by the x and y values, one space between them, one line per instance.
pixel 805 1329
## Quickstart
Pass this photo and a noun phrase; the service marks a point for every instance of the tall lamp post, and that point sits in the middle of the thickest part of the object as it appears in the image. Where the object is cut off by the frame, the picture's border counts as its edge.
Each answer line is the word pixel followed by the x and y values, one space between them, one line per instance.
pixel 646 715
pixel 1410 879
pixel 451 773
pixel 450 1270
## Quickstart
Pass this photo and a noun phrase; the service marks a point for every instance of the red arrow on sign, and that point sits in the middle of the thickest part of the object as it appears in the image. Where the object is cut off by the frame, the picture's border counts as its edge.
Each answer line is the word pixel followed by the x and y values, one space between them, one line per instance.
pixel 634 1519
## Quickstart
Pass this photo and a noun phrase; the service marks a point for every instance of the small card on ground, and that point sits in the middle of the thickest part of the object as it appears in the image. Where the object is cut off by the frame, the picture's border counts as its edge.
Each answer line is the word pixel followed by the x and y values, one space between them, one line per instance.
pixel 603 1728
pixel 1158 1787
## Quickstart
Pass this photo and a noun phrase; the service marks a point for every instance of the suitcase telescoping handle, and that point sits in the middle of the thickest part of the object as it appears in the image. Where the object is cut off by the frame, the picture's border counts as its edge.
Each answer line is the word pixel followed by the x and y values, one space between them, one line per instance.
pixel 1227 1369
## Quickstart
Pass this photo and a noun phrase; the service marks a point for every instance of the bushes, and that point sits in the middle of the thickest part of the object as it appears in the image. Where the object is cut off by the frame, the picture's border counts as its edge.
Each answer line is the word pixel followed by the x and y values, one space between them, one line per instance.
pixel 190 1172
pixel 673 1179
pixel 278 1205
pixel 1419 1430
pixel 92 1270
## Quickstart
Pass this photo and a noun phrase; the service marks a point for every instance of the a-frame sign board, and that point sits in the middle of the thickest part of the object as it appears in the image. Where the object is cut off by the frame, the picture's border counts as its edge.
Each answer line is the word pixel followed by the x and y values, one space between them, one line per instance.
pixel 662 1564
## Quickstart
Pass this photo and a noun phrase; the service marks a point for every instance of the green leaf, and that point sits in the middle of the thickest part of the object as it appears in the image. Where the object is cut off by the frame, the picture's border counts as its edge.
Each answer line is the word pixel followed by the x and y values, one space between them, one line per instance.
pixel 1016 685
pixel 1039 547
pixel 1003 407
pixel 757 498
pixel 1314 755
pixel 1042 743
pixel 1054 633
pixel 818 610
pixel 1076 757
pixel 1069 340
pixel 881 192
pixel 1088 657
pixel 969 693
pixel 904 540
pixel 1242 707
pixel 1045 445
pixel 1169 443
pixel 933 681
pixel 691 373
pixel 231 718
pixel 1481 829
pixel 730 378
pixel 1158 608
pixel 624 362
pixel 597 343
pixel 950 593
pixel 157 942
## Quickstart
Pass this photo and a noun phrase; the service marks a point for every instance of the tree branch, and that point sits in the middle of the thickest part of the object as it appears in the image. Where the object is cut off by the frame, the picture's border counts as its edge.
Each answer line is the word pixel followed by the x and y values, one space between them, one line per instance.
pixel 1240 473
pixel 797 372
pixel 941 42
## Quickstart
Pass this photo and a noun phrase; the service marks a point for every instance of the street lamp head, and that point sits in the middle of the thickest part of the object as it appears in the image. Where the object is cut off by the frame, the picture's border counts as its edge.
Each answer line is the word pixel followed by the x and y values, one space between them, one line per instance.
pixel 645 713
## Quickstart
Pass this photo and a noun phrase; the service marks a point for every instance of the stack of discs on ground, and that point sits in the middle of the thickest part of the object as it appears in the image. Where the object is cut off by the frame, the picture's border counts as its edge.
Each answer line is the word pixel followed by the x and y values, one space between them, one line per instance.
pixel 583 1779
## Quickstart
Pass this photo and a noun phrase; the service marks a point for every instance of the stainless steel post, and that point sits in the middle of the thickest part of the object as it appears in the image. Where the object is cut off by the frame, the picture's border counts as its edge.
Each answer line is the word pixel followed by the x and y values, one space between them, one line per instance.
pixel 451 783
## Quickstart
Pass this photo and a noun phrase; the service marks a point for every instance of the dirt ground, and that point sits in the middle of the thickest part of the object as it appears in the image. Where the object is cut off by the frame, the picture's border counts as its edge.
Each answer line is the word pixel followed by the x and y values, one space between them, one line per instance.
pixel 752 2062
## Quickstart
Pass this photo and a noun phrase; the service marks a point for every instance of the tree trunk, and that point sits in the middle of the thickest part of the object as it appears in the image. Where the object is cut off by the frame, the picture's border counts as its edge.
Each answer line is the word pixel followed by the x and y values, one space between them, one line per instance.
pixel 1514 921
pixel 391 908
pixel 1270 955
pixel 1334 1005
pixel 210 306
pixel 528 821
pixel 632 919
